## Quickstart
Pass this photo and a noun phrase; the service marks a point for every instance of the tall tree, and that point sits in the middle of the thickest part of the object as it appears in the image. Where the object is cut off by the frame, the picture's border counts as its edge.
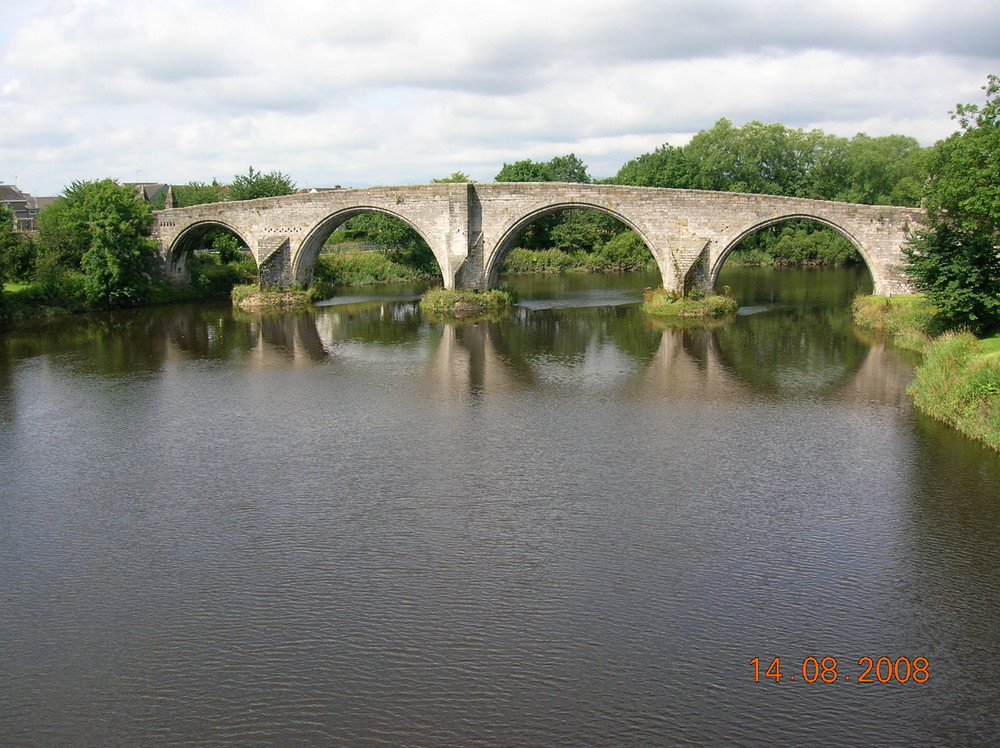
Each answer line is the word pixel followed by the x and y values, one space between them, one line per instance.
pixel 888 170
pixel 255 184
pixel 102 228
pixel 667 166
pixel 198 193
pixel 568 168
pixel 17 251
pixel 524 171
pixel 954 260
pixel 118 262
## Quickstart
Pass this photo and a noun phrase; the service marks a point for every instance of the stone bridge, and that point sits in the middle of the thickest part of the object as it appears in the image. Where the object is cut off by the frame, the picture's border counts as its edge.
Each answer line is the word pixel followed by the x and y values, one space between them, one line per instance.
pixel 471 227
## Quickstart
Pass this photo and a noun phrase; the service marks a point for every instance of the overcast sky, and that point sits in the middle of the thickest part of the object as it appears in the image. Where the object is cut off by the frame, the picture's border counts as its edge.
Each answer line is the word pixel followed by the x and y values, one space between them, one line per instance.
pixel 365 92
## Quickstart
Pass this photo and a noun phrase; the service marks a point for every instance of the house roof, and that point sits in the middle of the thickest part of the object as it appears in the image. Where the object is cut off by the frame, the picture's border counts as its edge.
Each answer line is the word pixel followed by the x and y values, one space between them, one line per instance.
pixel 11 194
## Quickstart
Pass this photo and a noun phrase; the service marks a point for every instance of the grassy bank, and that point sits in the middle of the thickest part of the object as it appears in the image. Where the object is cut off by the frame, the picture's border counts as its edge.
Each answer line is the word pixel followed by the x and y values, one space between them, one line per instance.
pixel 958 382
pixel 908 320
pixel 958 378
pixel 663 303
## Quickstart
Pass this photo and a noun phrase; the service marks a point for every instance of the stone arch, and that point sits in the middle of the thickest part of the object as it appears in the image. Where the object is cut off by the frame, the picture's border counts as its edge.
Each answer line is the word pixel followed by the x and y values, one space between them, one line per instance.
pixel 308 253
pixel 509 235
pixel 720 260
pixel 179 252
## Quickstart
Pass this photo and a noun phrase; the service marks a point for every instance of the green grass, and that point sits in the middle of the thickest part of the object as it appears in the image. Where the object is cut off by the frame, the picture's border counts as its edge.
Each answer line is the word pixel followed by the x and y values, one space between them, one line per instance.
pixel 989 348
pixel 908 319
pixel 355 267
pixel 958 382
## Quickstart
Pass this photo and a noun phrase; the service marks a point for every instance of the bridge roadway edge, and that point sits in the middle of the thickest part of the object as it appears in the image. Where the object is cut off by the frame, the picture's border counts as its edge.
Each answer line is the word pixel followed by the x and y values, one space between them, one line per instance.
pixel 471 227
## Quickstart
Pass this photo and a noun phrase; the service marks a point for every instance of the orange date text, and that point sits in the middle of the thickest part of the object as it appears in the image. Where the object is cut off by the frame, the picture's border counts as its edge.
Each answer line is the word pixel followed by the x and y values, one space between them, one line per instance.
pixel 829 670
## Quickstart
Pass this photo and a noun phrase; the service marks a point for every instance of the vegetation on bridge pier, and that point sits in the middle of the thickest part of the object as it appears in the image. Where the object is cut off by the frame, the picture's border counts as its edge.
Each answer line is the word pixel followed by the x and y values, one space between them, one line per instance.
pixel 467 304
pixel 662 303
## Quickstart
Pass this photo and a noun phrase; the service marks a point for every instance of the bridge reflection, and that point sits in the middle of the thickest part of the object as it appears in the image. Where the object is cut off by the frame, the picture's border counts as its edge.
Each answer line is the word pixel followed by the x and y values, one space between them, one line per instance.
pixel 603 351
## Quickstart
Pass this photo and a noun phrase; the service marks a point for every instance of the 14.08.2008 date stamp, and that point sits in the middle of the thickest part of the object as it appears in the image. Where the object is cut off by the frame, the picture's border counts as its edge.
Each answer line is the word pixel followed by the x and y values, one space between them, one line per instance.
pixel 825 670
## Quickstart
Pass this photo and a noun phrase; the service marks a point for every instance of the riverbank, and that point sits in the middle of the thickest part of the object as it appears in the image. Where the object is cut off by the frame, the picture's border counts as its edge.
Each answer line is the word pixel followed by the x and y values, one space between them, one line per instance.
pixel 958 378
pixel 64 293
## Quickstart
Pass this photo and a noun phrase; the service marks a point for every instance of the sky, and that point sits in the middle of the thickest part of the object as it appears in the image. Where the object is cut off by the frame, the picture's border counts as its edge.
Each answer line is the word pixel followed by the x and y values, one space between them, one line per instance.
pixel 392 92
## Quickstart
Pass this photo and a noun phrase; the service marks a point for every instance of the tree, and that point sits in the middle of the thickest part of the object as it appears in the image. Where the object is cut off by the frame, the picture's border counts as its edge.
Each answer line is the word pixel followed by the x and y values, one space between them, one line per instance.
pixel 101 228
pixel 524 171
pixel 568 168
pixel 8 240
pixel 959 273
pixel 254 184
pixel 119 261
pixel 667 166
pixel 17 251
pixel 954 260
pixel 963 189
pixel 199 193
pixel 456 176
pixel 888 170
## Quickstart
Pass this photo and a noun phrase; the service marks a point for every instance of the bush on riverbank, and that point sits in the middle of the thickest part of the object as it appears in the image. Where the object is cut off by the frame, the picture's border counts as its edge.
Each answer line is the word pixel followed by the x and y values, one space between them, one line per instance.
pixel 663 303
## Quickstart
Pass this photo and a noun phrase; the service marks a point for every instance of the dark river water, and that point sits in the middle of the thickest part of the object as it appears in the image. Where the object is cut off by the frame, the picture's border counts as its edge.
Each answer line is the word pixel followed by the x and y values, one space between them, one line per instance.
pixel 574 526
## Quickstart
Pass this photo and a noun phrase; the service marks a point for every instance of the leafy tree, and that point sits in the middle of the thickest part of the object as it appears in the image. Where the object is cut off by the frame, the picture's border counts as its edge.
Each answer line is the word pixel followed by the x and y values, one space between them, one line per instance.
pixel 63 231
pixel 198 193
pixel 568 168
pixel 759 158
pixel 777 160
pixel 524 171
pixel 8 239
pixel 254 184
pixel 17 250
pixel 551 230
pixel 959 273
pixel 888 170
pixel 226 243
pixel 955 259
pixel 963 189
pixel 101 228
pixel 118 263
pixel 667 166
pixel 456 176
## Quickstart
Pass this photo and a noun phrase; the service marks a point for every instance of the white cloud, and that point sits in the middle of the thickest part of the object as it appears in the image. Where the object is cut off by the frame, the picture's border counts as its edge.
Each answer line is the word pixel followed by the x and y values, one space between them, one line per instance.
pixel 387 91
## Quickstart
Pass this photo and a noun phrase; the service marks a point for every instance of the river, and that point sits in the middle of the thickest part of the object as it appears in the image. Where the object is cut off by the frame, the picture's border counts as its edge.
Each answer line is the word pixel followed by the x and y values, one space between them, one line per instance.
pixel 573 526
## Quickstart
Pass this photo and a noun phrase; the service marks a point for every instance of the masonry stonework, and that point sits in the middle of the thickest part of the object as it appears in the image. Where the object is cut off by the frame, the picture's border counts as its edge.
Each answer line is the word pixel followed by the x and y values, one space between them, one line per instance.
pixel 471 227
